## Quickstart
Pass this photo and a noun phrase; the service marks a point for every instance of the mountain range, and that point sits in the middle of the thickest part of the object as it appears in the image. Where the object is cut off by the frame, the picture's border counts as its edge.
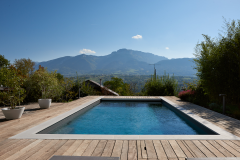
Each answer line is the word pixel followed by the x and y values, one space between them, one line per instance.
pixel 123 61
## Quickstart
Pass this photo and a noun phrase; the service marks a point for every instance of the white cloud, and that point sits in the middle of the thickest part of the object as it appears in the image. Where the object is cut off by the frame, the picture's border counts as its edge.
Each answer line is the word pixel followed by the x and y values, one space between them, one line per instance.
pixel 137 37
pixel 87 51
pixel 167 48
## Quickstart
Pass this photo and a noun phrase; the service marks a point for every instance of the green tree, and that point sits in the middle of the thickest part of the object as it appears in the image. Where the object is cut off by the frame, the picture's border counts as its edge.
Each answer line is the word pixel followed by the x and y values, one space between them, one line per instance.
pixel 3 62
pixel 67 85
pixel 46 82
pixel 118 86
pixel 25 66
pixel 218 63
pixel 161 86
pixel 13 81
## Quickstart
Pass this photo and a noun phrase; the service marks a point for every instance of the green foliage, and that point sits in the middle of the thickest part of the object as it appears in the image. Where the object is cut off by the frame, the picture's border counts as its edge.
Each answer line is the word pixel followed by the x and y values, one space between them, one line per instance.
pixel 218 64
pixel 3 62
pixel 86 89
pixel 67 85
pixel 46 82
pixel 13 81
pixel 60 77
pixel 161 86
pixel 25 66
pixel 118 86
pixel 198 95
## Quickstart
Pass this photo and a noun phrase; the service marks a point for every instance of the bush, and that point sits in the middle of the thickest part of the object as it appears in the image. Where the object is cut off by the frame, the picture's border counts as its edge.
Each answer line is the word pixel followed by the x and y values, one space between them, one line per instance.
pixel 187 95
pixel 161 86
pixel 10 78
pixel 199 96
pixel 217 62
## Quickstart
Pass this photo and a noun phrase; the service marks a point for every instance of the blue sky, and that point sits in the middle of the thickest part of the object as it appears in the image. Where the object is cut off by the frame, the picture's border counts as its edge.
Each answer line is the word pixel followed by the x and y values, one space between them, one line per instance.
pixel 47 29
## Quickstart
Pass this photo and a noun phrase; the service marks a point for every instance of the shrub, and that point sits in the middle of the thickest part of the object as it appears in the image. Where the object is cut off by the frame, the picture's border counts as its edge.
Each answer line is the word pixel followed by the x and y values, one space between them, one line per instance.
pixel 13 81
pixel 46 82
pixel 161 86
pixel 187 95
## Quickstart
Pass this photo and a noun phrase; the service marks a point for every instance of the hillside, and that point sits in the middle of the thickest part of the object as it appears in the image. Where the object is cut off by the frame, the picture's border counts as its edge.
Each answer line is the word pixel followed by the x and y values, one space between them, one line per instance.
pixel 123 61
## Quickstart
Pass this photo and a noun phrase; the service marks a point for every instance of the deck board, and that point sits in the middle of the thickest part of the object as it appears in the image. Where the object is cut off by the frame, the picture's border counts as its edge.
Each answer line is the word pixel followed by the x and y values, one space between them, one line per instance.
pixel 159 150
pixel 132 150
pixel 99 149
pixel 22 149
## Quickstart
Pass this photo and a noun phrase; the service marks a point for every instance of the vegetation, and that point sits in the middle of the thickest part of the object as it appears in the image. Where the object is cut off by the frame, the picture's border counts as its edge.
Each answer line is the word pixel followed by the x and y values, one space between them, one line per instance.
pixel 14 94
pixel 117 85
pixel 218 66
pixel 161 86
pixel 25 66
pixel 46 82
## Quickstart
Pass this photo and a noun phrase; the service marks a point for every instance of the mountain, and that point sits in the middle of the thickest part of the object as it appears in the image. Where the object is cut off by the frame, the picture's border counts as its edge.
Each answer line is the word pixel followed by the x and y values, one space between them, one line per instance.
pixel 123 61
pixel 179 67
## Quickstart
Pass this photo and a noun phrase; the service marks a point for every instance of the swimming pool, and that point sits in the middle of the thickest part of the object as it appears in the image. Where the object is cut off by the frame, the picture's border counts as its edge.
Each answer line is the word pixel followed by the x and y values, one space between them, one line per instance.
pixel 129 118
pixel 202 128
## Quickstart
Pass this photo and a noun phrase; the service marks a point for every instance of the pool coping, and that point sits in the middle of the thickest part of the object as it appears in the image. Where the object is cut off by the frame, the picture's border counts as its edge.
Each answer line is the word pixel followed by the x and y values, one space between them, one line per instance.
pixel 31 133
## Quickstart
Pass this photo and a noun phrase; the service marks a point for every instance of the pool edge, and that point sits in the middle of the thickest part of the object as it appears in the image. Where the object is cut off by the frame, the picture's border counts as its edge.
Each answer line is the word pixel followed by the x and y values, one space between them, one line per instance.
pixel 32 132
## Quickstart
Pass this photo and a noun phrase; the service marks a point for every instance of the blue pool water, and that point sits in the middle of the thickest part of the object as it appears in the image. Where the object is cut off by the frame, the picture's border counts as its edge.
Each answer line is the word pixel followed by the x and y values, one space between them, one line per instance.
pixel 128 118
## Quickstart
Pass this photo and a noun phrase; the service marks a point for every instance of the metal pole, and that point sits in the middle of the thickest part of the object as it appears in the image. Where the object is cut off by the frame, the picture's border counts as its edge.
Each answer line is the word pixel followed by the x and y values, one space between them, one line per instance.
pixel 79 93
pixel 224 107
pixel 224 104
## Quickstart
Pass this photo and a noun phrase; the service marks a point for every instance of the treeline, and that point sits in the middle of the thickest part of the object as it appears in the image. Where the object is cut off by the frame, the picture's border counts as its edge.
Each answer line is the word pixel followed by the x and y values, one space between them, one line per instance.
pixel 135 80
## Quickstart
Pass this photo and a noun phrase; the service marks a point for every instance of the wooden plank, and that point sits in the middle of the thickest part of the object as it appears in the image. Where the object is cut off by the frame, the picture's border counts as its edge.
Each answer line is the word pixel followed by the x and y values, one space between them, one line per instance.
pixel 73 147
pixel 24 150
pixel 132 150
pixel 107 152
pixel 139 151
pixel 159 150
pixel 39 153
pixel 194 149
pixel 212 149
pixel 184 149
pixel 49 153
pixel 233 145
pixel 124 154
pixel 220 148
pixel 168 149
pixel 237 142
pixel 99 149
pixel 16 148
pixel 81 148
pixel 143 149
pixel 203 149
pixel 117 150
pixel 151 153
pixel 91 147
pixel 6 141
pixel 178 151
pixel 65 147
pixel 10 145
pixel 34 150
pixel 227 147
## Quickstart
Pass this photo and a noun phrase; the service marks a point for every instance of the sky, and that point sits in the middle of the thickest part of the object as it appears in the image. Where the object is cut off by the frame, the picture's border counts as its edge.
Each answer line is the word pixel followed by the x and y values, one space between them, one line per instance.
pixel 48 29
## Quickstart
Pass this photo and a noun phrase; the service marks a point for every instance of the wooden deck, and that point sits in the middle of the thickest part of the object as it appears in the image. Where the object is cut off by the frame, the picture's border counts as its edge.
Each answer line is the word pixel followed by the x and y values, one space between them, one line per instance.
pixel 125 149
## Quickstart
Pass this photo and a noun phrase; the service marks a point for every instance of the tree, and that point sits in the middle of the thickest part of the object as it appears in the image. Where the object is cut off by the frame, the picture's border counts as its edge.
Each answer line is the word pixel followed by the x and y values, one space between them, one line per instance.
pixel 161 86
pixel 25 66
pixel 3 62
pixel 46 82
pixel 14 93
pixel 117 85
pixel 218 63
pixel 68 84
